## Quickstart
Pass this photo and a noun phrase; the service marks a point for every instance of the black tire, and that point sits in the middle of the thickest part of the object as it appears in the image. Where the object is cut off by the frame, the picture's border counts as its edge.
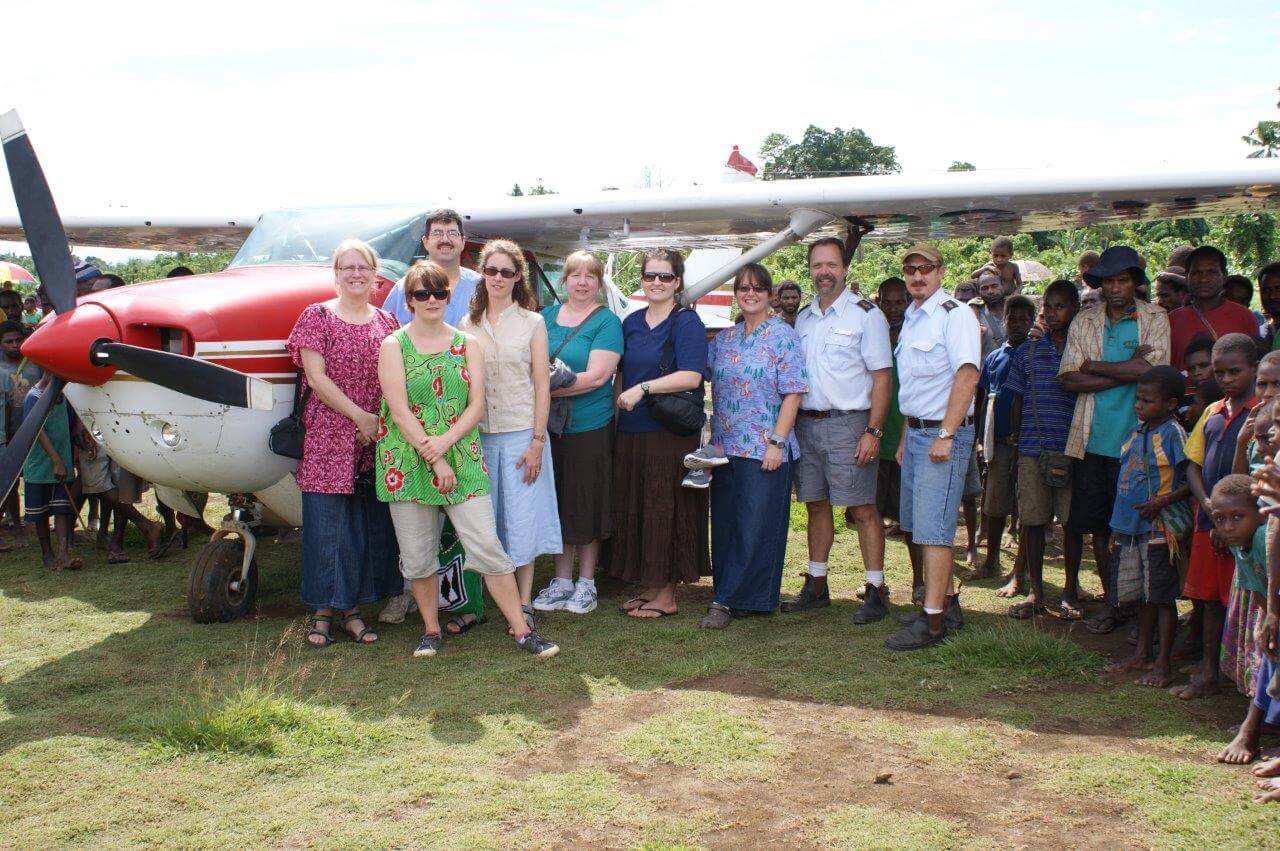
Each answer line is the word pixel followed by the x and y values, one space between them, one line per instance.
pixel 209 595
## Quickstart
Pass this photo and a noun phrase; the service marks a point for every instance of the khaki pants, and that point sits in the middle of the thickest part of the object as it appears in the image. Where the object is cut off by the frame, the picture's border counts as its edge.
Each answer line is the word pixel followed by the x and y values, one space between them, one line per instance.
pixel 418 534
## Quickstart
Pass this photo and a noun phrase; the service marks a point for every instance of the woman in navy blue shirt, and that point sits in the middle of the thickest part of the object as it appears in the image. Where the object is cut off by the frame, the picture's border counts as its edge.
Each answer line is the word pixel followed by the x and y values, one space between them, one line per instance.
pixel 659 528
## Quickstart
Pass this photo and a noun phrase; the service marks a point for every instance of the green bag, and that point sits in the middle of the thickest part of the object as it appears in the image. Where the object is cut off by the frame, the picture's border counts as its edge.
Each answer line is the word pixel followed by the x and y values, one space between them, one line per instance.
pixel 461 590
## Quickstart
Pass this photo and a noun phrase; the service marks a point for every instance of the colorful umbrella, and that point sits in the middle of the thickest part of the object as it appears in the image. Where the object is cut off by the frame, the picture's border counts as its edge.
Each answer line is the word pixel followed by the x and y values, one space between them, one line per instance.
pixel 15 273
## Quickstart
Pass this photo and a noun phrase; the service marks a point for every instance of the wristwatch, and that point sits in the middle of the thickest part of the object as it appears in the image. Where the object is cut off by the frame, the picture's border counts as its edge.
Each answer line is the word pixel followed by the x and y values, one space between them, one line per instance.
pixel 779 442
pixel 644 388
pixel 943 434
pixel 877 433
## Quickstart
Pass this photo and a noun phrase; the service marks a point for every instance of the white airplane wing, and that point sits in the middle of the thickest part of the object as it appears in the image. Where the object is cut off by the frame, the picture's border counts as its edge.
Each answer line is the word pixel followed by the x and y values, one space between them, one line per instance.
pixel 903 206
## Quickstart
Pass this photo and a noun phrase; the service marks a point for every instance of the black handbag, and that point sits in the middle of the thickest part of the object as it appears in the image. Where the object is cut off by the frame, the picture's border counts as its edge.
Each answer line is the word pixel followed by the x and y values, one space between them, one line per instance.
pixel 286 436
pixel 681 413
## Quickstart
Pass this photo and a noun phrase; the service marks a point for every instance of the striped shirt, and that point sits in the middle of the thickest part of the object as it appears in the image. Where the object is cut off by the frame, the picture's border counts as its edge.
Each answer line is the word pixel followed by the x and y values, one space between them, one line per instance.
pixel 1152 463
pixel 1053 405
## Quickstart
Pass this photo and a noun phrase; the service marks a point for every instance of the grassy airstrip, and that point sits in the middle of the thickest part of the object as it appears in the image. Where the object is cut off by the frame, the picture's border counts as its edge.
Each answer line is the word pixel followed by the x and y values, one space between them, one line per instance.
pixel 124 724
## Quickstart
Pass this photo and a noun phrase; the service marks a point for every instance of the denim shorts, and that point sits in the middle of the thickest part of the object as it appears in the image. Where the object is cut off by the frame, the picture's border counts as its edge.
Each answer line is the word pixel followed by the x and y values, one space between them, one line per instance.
pixel 930 499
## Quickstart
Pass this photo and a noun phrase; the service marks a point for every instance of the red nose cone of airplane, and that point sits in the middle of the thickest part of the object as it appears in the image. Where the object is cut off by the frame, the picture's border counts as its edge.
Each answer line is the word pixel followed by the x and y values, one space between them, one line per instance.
pixel 62 345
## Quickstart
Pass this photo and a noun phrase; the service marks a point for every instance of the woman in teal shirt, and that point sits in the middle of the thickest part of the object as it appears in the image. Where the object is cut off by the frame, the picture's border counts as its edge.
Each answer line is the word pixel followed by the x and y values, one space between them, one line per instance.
pixel 587 336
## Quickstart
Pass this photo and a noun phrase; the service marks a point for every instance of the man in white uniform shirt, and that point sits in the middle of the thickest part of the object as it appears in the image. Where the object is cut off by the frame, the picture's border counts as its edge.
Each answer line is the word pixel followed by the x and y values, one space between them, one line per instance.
pixel 845 340
pixel 939 352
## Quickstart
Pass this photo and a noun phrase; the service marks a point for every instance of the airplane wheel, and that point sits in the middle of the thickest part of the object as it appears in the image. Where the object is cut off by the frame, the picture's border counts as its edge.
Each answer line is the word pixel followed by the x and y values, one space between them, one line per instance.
pixel 210 597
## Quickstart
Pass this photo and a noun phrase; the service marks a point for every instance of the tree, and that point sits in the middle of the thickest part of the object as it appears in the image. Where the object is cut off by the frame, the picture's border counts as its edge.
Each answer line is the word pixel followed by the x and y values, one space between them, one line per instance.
pixel 1265 139
pixel 516 191
pixel 825 153
pixel 539 189
pixel 961 165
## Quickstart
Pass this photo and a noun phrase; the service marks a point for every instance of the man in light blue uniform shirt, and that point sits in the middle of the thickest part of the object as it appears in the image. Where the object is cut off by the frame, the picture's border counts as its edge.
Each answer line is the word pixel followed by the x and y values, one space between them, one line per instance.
pixel 939 351
pixel 845 341
pixel 444 241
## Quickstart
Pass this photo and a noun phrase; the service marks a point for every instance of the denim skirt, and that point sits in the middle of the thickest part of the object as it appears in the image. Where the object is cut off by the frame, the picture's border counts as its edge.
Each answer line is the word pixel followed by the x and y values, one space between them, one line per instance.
pixel 349 551
pixel 749 513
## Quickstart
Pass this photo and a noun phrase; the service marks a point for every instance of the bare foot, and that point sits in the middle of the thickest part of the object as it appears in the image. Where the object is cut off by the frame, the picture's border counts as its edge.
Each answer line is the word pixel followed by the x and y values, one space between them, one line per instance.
pixel 1026 610
pixel 1070 610
pixel 1240 750
pixel 1012 588
pixel 971 557
pixel 1159 677
pixel 986 571
pixel 1136 662
pixel 1270 791
pixel 1195 690
pixel 1268 768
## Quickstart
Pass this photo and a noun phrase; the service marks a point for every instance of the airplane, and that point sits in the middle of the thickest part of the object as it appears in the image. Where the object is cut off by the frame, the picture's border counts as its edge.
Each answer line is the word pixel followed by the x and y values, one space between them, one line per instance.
pixel 181 379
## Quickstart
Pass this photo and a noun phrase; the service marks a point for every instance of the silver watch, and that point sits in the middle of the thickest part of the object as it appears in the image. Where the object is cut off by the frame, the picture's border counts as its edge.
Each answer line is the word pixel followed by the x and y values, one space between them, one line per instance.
pixel 943 434
pixel 779 442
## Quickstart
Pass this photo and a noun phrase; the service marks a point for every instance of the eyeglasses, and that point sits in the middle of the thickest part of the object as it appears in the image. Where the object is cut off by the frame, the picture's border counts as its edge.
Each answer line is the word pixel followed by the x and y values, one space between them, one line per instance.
pixel 426 295
pixel 494 271
pixel 924 268
pixel 452 233
pixel 754 288
pixel 359 267
pixel 650 277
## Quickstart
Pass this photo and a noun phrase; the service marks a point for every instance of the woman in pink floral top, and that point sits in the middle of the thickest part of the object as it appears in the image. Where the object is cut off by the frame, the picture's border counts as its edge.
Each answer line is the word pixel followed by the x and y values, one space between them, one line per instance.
pixel 757 378
pixel 349 553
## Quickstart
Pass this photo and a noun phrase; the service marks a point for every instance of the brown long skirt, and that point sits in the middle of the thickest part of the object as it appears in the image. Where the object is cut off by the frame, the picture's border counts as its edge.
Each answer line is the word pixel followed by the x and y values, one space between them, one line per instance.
pixel 659 528
pixel 583 464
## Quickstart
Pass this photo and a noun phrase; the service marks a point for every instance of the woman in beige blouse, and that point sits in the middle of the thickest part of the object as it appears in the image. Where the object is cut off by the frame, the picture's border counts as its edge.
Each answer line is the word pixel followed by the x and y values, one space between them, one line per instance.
pixel 513 430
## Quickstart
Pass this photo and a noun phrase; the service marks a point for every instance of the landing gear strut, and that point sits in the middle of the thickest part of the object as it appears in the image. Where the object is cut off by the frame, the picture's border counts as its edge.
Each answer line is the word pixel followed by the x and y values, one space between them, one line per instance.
pixel 223 581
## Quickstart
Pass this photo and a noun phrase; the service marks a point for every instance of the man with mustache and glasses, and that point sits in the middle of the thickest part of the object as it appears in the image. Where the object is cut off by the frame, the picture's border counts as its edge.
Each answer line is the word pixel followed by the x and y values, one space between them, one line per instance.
pixel 845 342
pixel 938 355
pixel 444 241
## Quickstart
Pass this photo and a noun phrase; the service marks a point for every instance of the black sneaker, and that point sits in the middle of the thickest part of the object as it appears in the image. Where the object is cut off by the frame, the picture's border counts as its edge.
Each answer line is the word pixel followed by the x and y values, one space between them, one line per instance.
pixel 428 645
pixel 952 615
pixel 808 598
pixel 915 636
pixel 876 605
pixel 537 645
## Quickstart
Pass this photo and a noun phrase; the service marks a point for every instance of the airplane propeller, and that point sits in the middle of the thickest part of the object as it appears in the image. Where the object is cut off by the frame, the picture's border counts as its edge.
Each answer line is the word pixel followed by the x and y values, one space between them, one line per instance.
pixel 51 253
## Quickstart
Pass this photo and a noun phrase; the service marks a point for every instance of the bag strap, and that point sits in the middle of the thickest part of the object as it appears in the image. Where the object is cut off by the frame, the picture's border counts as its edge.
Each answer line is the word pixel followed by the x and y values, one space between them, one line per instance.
pixel 1212 333
pixel 1031 381
pixel 301 396
pixel 573 332
pixel 669 347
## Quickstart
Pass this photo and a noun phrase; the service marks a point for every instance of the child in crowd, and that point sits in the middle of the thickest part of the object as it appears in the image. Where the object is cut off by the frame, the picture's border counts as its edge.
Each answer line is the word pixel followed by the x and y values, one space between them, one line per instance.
pixel 1199 368
pixel 1241 527
pixel 995 418
pixel 1042 413
pixel 1152 478
pixel 1211 452
pixel 31 314
pixel 1002 264
pixel 47 473
pixel 19 376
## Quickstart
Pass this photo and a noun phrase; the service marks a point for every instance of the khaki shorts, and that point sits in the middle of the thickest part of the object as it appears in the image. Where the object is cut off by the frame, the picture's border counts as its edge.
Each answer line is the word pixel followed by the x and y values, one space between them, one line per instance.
pixel 95 473
pixel 998 499
pixel 1037 502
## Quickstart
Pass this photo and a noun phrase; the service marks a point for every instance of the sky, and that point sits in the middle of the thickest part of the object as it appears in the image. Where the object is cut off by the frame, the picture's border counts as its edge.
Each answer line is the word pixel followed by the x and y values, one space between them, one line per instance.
pixel 245 106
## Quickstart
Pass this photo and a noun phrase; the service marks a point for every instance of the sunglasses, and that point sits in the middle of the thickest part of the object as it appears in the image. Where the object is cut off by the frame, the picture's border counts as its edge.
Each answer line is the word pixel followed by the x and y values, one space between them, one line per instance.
pixel 494 271
pixel 650 277
pixel 924 268
pixel 753 288
pixel 425 295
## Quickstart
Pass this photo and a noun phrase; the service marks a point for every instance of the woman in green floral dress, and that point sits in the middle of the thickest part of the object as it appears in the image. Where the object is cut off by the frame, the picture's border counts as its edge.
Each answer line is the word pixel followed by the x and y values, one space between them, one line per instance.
pixel 430 463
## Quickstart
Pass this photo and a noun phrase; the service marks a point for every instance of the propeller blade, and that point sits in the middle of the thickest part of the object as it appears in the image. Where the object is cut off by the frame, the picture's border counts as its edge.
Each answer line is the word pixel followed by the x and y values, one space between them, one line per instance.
pixel 40 222
pixel 15 454
pixel 188 376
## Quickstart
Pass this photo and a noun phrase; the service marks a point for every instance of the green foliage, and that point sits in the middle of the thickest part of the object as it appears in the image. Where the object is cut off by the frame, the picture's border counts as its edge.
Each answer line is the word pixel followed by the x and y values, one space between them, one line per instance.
pixel 1264 139
pixel 146 270
pixel 961 165
pixel 538 189
pixel 825 153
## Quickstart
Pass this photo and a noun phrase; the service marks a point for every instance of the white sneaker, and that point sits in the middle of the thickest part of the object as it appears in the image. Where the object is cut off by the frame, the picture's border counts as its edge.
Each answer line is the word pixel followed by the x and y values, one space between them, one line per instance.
pixel 397 608
pixel 705 458
pixel 554 597
pixel 583 599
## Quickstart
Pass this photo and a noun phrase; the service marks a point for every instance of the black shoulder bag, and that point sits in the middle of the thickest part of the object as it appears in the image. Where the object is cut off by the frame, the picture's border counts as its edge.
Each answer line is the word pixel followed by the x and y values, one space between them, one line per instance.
pixel 682 412
pixel 286 436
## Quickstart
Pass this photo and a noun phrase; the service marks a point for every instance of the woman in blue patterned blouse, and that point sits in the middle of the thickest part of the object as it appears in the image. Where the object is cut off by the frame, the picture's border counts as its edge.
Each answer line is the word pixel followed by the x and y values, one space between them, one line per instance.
pixel 757 378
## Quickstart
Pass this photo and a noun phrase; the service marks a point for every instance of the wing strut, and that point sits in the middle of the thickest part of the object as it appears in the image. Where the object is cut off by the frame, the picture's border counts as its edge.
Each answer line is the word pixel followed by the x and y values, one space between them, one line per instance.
pixel 802 223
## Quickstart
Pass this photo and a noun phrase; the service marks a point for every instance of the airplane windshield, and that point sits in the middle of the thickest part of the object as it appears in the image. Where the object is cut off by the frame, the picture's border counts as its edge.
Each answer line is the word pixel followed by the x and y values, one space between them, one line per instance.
pixel 309 236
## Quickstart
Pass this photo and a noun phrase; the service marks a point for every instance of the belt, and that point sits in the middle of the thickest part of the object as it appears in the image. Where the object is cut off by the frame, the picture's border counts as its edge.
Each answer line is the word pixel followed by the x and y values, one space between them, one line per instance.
pixel 915 423
pixel 822 415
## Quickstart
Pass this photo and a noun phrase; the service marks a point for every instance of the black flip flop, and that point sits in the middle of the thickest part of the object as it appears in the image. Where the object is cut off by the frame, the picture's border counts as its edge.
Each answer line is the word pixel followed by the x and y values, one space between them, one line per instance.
pixel 626 607
pixel 660 613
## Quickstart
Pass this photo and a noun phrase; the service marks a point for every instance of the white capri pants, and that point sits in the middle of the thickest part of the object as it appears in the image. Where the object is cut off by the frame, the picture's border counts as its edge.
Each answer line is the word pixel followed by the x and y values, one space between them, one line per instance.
pixel 418 534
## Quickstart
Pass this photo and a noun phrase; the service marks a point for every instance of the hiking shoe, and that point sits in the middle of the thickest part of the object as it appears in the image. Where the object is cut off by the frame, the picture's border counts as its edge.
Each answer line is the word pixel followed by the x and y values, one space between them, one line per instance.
pixel 915 636
pixel 537 645
pixel 696 479
pixel 397 608
pixel 705 458
pixel 861 593
pixel 952 615
pixel 554 596
pixel 717 617
pixel 808 598
pixel 583 598
pixel 429 644
pixel 876 605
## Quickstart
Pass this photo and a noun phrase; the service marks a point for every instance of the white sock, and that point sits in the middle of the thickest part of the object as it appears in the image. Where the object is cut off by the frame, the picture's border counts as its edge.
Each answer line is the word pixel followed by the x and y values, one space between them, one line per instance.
pixel 590 583
pixel 929 611
pixel 818 568
pixel 875 577
pixel 563 584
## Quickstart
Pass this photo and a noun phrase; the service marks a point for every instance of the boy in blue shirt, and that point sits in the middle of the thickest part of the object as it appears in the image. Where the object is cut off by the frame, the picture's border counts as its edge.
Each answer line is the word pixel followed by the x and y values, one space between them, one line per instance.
pixel 1152 477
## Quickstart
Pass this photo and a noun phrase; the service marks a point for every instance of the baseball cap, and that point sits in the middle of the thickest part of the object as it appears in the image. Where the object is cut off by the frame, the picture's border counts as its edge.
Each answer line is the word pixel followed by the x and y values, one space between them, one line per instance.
pixel 925 250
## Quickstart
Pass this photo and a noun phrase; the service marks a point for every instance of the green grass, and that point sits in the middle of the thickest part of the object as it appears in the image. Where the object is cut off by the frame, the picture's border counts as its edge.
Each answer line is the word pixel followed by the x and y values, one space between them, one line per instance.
pixel 124 724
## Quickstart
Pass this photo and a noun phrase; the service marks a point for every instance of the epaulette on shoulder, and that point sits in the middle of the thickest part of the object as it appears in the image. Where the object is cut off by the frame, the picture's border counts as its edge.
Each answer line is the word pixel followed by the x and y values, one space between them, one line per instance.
pixel 950 305
pixel 866 305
